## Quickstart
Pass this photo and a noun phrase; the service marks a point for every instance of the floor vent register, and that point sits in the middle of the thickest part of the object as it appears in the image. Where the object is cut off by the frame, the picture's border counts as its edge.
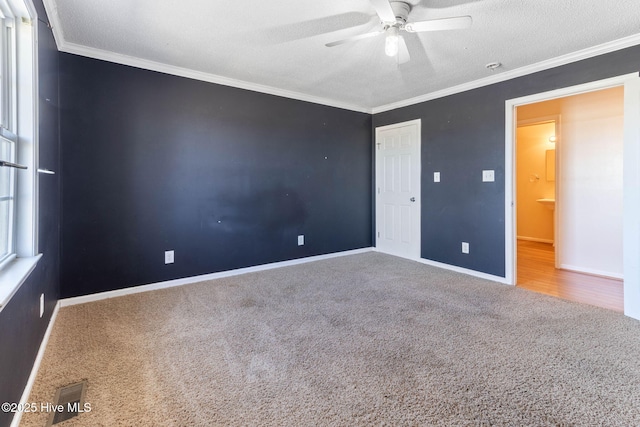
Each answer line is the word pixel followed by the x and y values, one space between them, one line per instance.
pixel 69 402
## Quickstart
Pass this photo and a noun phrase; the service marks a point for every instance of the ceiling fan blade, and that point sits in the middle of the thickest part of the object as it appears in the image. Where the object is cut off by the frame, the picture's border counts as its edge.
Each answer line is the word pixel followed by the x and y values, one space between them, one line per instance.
pixel 456 23
pixel 383 8
pixel 403 51
pixel 354 38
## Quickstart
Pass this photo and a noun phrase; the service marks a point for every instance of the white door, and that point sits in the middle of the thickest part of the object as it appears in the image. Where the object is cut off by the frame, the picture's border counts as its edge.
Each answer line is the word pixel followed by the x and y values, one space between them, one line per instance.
pixel 398 189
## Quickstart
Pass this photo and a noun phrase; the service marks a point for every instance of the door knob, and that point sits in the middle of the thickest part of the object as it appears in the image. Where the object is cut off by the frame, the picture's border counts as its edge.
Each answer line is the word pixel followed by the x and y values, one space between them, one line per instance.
pixel 413 199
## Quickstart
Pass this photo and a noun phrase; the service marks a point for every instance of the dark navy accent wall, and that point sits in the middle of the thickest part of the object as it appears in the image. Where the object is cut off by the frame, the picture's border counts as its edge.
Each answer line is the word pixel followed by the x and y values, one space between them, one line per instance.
pixel 41 11
pixel 228 178
pixel 463 134
pixel 49 191
pixel 21 328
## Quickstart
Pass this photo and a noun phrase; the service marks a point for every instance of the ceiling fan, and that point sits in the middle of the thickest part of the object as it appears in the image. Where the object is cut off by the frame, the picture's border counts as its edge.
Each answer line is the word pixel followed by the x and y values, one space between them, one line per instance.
pixel 393 16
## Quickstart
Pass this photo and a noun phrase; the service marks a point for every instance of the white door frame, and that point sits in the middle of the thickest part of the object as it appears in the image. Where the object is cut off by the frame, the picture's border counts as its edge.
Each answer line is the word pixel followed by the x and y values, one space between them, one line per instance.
pixel 631 179
pixel 418 205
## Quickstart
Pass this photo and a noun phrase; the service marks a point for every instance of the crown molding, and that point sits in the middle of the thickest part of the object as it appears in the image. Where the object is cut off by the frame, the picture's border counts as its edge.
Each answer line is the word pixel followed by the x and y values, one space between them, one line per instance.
pixel 600 49
pixel 105 55
pixel 199 75
pixel 117 58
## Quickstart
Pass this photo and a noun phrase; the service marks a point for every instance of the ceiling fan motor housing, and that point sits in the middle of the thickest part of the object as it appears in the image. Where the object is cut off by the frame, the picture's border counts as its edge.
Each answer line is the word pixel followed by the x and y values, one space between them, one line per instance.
pixel 393 17
pixel 401 11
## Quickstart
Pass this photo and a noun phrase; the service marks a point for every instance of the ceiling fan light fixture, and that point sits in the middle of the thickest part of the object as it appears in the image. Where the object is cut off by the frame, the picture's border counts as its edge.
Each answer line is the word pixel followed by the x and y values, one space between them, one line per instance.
pixel 392 41
pixel 394 15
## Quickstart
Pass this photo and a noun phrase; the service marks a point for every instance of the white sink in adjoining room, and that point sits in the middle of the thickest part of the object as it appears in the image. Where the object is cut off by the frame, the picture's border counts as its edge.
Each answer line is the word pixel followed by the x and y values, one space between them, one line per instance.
pixel 549 203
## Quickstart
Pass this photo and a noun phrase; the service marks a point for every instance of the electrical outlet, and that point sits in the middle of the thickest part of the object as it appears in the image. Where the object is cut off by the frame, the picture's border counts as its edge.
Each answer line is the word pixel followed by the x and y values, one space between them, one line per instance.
pixel 436 177
pixel 465 247
pixel 41 305
pixel 301 240
pixel 168 257
pixel 488 176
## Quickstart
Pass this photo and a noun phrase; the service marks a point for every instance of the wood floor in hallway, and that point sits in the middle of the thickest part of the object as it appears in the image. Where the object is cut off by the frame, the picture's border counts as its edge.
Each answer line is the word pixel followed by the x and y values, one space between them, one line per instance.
pixel 536 272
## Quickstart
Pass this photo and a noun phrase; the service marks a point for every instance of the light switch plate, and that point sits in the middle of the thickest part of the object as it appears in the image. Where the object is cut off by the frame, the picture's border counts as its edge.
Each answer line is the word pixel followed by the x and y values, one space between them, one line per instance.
pixel 301 240
pixel 168 257
pixel 436 177
pixel 488 176
pixel 465 247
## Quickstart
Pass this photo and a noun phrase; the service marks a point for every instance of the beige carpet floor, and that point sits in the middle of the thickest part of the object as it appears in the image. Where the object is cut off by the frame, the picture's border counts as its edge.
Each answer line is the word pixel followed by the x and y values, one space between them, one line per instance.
pixel 366 339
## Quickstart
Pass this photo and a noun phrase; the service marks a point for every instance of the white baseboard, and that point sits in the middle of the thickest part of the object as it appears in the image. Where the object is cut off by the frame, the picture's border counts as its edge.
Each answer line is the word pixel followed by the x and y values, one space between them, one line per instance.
pixel 454 268
pixel 188 280
pixel 36 366
pixel 467 271
pixel 535 239
pixel 195 279
pixel 592 272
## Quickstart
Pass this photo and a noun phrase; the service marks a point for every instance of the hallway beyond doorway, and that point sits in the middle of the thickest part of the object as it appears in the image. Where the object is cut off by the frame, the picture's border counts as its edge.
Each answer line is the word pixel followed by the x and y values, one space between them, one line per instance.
pixel 536 272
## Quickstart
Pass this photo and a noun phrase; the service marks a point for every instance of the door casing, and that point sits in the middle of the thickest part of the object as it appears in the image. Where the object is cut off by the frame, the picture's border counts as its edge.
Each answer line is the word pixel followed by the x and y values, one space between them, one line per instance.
pixel 416 191
pixel 631 179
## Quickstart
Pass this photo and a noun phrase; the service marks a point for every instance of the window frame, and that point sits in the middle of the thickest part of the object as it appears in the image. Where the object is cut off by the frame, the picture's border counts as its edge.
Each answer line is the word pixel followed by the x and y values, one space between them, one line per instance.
pixel 7 123
pixel 11 139
pixel 20 124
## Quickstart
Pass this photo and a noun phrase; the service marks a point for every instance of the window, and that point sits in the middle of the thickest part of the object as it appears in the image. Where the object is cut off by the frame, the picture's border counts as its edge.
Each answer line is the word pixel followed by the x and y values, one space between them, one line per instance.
pixel 7 197
pixel 18 142
pixel 8 139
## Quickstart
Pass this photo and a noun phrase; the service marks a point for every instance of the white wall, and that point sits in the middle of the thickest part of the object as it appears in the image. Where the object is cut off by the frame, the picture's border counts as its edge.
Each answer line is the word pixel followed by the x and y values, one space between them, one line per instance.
pixel 631 176
pixel 590 191
pixel 534 220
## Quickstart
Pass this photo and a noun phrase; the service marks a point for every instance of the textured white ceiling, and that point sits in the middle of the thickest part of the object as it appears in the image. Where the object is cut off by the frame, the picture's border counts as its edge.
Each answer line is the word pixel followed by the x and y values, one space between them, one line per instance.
pixel 280 44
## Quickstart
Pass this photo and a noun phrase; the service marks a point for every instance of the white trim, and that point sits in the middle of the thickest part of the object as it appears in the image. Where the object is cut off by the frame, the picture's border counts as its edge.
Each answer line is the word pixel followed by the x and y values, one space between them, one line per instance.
pixel 202 76
pixel 534 239
pixel 117 58
pixel 464 271
pixel 401 124
pixel 631 158
pixel 591 271
pixel 202 278
pixel 13 274
pixel 418 123
pixel 25 223
pixel 539 120
pixel 631 198
pixel 27 121
pixel 590 52
pixel 31 9
pixel 68 47
pixel 36 366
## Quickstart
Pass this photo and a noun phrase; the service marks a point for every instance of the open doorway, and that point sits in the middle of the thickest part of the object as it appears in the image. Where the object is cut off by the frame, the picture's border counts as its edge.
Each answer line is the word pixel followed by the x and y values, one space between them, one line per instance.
pixel 579 252
pixel 569 229
pixel 536 141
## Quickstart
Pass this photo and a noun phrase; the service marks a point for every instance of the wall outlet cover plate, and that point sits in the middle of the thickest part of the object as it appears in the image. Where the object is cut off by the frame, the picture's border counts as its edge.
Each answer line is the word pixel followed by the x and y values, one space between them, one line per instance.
pixel 488 176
